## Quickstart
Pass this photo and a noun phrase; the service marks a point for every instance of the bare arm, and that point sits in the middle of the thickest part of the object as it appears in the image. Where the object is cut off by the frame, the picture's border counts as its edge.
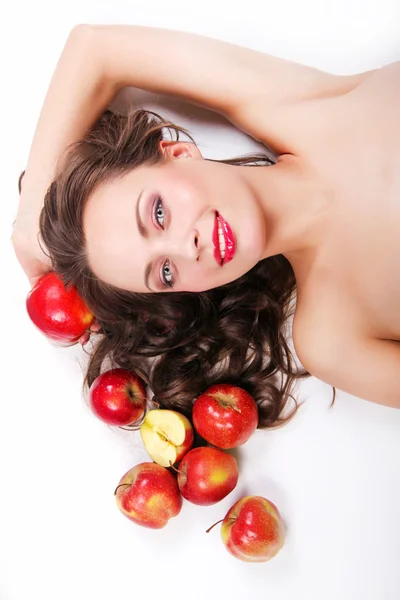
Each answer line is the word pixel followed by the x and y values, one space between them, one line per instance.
pixel 98 61
pixel 242 84
pixel 76 97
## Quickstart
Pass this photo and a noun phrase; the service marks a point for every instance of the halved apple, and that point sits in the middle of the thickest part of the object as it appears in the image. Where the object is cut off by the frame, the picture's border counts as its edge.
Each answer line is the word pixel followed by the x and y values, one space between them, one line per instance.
pixel 167 436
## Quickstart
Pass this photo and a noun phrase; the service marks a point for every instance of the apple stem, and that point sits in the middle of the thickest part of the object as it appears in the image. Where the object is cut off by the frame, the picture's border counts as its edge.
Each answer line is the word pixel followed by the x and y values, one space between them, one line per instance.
pixel 172 467
pixel 120 485
pixel 220 521
pixel 209 529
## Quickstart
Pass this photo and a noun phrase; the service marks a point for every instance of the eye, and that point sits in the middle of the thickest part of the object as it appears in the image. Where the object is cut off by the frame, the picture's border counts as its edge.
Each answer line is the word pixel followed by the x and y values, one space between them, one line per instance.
pixel 159 212
pixel 167 276
pixel 159 215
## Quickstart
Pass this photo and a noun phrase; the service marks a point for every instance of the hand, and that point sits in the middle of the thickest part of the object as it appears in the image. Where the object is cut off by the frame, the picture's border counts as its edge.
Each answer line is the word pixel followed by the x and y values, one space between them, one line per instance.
pixel 27 249
pixel 94 328
pixel 31 256
pixel 25 240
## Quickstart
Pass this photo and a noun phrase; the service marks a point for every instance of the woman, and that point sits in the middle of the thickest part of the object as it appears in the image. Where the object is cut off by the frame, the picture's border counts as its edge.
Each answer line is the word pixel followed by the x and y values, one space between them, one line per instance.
pixel 130 216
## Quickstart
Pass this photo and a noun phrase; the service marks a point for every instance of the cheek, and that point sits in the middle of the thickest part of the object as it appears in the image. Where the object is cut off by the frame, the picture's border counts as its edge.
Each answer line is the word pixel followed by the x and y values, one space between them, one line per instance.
pixel 186 191
pixel 205 277
pixel 197 278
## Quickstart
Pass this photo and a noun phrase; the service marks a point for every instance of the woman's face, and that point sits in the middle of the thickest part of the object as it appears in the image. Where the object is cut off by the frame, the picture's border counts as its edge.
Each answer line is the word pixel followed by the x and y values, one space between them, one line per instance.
pixel 156 228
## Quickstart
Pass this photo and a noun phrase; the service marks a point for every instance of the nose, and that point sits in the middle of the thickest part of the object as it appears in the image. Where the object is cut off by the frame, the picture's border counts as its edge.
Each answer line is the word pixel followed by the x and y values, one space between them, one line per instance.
pixel 190 246
pixel 182 246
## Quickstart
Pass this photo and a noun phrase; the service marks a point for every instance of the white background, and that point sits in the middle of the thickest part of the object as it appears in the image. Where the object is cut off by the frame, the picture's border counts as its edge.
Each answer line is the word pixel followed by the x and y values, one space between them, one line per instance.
pixel 333 473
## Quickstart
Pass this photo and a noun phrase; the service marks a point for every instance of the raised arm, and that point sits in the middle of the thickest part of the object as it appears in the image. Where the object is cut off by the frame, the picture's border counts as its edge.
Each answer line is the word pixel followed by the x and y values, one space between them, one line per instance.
pixel 98 61
pixel 77 95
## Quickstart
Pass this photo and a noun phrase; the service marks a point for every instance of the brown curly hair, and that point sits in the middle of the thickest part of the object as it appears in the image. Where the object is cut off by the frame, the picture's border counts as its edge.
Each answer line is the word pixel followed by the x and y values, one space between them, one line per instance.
pixel 180 343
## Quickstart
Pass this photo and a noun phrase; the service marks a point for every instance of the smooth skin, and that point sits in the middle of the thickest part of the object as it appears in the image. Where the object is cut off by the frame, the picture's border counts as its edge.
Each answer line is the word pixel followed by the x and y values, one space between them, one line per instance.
pixel 331 204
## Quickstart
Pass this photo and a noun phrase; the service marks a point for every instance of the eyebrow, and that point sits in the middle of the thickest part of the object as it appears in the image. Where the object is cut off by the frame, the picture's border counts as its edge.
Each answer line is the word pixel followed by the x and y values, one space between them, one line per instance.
pixel 145 234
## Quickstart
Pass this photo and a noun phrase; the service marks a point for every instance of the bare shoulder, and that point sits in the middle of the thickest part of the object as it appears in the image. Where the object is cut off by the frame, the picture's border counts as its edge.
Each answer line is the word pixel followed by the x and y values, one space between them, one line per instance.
pixel 318 328
pixel 374 105
pixel 377 96
pixel 385 78
pixel 302 117
pixel 331 347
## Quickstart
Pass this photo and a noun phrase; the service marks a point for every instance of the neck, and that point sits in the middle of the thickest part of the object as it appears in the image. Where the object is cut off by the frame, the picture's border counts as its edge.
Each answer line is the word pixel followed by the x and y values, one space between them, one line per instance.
pixel 294 208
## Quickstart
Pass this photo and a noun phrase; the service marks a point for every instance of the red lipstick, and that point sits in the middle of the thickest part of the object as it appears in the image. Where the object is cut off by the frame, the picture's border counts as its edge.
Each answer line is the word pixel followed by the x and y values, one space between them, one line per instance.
pixel 230 246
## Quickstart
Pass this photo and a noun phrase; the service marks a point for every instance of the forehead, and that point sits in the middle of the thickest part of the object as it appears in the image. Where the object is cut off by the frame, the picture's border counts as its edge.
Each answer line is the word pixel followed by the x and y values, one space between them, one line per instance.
pixel 111 203
pixel 119 186
pixel 113 244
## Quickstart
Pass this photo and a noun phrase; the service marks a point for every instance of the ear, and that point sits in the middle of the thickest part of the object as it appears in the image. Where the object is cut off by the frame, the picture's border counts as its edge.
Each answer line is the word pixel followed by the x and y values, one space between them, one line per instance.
pixel 179 149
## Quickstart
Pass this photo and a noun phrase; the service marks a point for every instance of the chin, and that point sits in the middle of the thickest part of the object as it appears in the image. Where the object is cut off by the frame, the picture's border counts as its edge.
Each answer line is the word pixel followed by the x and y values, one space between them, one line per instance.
pixel 235 274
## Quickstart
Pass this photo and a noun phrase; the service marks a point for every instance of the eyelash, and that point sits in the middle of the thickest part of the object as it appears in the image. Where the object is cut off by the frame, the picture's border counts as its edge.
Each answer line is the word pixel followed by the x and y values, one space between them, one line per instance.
pixel 156 204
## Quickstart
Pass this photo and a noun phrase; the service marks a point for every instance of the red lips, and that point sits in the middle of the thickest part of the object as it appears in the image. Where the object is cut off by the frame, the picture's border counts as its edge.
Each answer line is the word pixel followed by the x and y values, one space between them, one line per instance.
pixel 230 246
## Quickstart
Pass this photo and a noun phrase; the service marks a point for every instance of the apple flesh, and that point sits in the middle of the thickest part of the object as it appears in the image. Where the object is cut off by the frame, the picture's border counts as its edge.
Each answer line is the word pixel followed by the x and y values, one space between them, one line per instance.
pixel 148 495
pixel 253 530
pixel 225 415
pixel 206 475
pixel 118 397
pixel 167 436
pixel 58 312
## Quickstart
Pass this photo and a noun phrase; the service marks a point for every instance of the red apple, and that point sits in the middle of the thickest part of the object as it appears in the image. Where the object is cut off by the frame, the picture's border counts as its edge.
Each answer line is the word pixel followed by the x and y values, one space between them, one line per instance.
pixel 252 529
pixel 167 436
pixel 148 495
pixel 118 397
pixel 206 475
pixel 58 312
pixel 225 415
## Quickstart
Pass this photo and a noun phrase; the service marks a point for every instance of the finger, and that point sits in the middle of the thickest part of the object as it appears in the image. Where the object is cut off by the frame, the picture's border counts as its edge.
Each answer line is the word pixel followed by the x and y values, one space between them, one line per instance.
pixel 84 338
pixel 95 327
